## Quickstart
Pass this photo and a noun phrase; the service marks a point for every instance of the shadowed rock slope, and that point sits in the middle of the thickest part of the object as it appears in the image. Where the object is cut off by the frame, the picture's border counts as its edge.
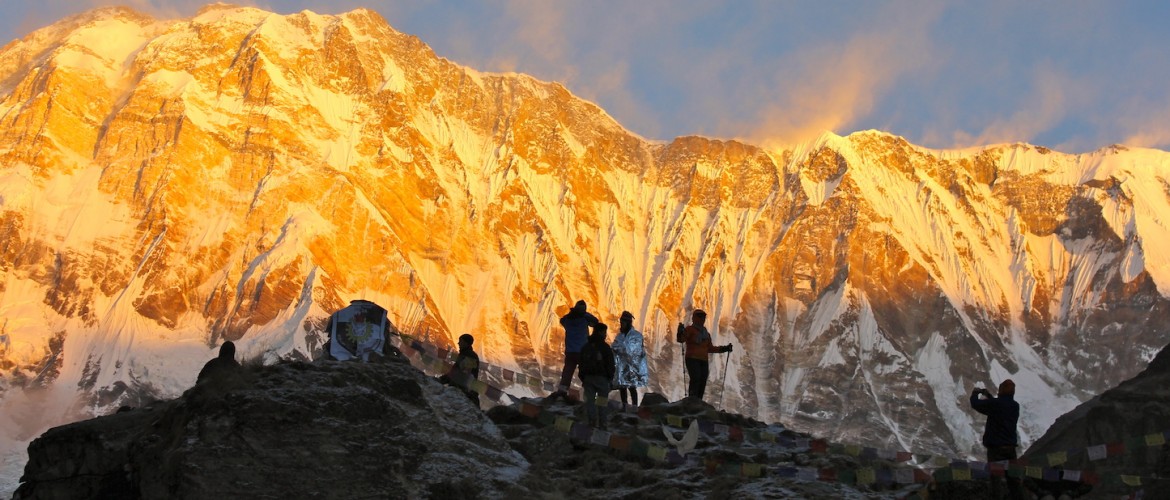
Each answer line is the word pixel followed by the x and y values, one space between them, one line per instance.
pixel 351 430
pixel 1123 415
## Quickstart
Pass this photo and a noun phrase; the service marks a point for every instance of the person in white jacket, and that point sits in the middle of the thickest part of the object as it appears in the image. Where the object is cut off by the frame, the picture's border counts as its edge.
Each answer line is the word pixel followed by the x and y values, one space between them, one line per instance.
pixel 630 354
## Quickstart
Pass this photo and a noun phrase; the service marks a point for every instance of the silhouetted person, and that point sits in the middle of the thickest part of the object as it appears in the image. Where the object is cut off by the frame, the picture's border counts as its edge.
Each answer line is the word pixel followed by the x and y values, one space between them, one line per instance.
pixel 999 434
pixel 362 331
pixel 629 353
pixel 576 323
pixel 465 369
pixel 221 367
pixel 698 352
pixel 596 370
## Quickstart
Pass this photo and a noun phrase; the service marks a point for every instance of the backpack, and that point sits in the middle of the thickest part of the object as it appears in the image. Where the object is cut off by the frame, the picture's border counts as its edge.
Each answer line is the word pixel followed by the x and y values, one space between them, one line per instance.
pixel 680 334
pixel 592 361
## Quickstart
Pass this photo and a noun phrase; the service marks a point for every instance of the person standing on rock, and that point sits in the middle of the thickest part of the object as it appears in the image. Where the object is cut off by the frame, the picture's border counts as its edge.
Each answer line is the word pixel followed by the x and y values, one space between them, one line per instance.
pixel 999 433
pixel 222 367
pixel 629 353
pixel 465 369
pixel 576 323
pixel 698 352
pixel 596 371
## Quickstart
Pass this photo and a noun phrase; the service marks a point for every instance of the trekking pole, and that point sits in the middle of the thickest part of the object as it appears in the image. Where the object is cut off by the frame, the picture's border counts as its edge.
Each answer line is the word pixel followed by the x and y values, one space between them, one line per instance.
pixel 723 382
pixel 682 350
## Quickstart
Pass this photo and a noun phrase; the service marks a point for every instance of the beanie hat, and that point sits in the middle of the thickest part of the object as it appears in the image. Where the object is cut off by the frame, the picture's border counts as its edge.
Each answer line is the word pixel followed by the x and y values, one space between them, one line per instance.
pixel 600 330
pixel 579 305
pixel 1007 387
pixel 700 312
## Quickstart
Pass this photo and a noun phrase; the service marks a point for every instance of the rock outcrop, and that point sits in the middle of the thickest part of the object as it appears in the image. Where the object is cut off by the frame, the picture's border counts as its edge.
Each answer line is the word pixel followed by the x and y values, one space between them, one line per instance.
pixel 352 430
pixel 1124 415
pixel 292 430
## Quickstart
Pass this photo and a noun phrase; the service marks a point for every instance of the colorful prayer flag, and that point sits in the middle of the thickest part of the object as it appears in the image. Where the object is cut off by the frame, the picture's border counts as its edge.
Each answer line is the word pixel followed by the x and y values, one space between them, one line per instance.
pixel 1057 458
pixel 1131 480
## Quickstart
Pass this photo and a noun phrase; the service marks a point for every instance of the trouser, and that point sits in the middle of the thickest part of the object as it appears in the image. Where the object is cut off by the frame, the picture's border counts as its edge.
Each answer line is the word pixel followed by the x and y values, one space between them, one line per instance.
pixel 1015 490
pixel 698 370
pixel 594 386
pixel 571 359
pixel 622 390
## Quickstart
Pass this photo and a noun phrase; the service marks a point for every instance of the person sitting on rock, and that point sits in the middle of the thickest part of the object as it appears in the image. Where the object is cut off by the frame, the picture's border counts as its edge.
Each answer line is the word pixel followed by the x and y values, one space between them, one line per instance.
pixel 222 367
pixel 465 369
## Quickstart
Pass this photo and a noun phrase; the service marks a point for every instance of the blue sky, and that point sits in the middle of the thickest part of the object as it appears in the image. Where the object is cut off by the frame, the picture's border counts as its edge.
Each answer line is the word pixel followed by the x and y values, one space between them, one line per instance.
pixel 1070 75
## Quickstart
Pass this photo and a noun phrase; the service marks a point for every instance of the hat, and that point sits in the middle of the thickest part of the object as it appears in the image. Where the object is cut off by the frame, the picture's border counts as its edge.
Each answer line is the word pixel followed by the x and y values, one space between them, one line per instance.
pixel 600 330
pixel 467 338
pixel 579 305
pixel 627 315
pixel 700 312
pixel 1007 387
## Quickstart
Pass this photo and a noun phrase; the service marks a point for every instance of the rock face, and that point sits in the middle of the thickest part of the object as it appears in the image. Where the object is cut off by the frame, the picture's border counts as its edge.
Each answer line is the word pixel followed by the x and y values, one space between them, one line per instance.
pixel 1123 415
pixel 241 174
pixel 293 430
pixel 353 430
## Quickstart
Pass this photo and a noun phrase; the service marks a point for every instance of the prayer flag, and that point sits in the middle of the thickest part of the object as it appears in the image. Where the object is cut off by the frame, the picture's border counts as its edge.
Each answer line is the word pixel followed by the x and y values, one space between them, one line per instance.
pixel 786 472
pixel 1097 452
pixel 866 476
pixel 1072 475
pixel 1051 474
pixel 1155 439
pixel 621 443
pixel 600 438
pixel 529 410
pixel 819 446
pixel 736 434
pixel 657 453
pixel 1057 458
pixel 904 476
pixel 961 474
pixel 1033 472
pixel 564 424
pixel 753 470
pixel 581 431
pixel 1114 449
pixel 1131 480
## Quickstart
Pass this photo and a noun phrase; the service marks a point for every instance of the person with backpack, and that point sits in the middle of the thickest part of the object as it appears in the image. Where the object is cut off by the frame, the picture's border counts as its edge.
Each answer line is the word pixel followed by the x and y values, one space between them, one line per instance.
pixel 596 369
pixel 698 352
pixel 576 323
pixel 629 352
pixel 465 369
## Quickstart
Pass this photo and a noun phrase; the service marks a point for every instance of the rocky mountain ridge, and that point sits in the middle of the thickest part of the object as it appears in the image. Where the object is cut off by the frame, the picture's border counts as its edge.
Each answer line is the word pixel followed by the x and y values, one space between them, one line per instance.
pixel 240 174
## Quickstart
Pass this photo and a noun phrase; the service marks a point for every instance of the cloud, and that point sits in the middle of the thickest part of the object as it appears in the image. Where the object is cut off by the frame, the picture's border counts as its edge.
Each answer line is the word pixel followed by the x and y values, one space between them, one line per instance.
pixel 1046 105
pixel 833 86
pixel 1146 125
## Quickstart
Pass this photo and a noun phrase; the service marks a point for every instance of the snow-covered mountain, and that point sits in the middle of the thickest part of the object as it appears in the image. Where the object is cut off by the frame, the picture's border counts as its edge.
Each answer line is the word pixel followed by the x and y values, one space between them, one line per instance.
pixel 241 174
